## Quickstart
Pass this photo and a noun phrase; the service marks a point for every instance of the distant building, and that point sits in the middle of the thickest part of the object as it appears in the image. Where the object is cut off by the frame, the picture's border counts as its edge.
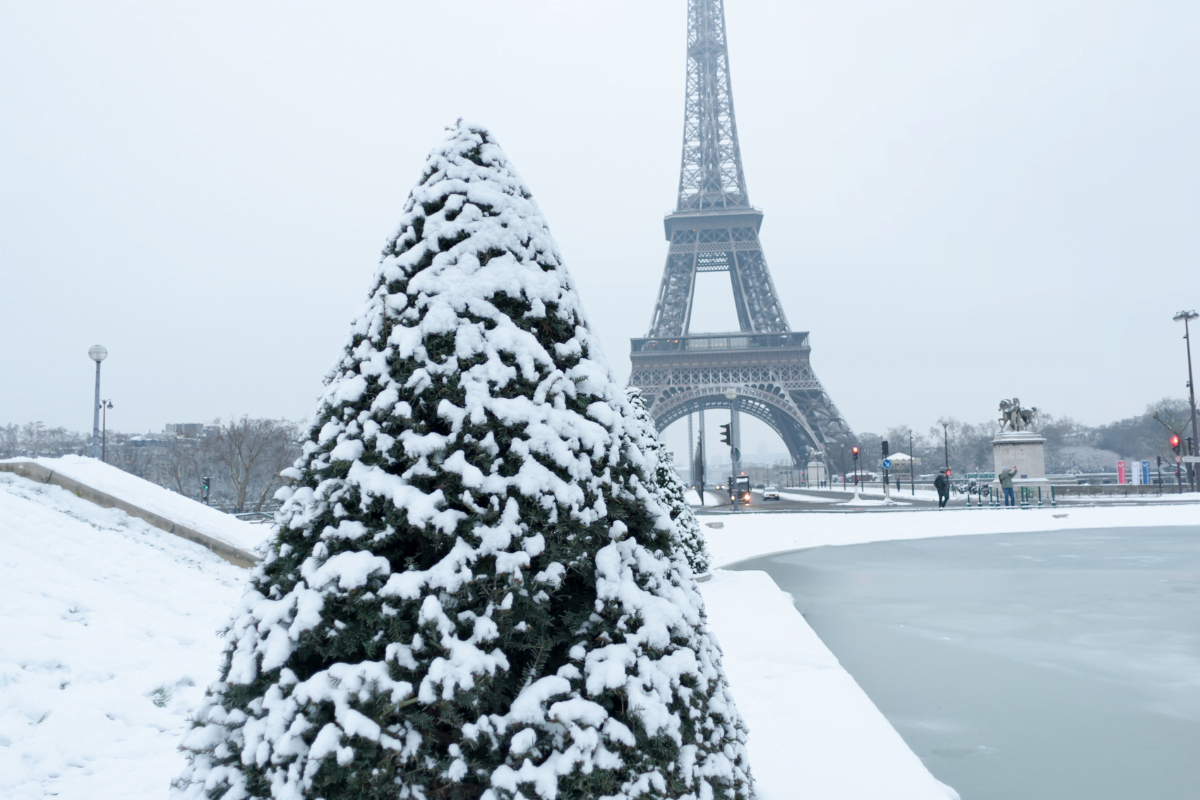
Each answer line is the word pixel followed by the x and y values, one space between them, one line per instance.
pixel 184 429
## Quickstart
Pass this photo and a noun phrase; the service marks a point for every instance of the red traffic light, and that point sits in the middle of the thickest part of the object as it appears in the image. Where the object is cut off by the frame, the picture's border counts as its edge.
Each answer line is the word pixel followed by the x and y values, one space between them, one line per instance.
pixel 854 450
pixel 1174 441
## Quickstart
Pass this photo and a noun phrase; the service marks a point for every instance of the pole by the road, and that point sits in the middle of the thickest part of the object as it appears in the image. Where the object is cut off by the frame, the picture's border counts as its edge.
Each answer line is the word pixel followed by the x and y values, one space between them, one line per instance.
pixel 97 353
pixel 912 465
pixel 1186 317
pixel 946 445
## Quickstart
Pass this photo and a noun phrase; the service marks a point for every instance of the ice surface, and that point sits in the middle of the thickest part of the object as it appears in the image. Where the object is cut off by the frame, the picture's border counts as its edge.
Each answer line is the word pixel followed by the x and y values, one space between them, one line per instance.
pixel 813 732
pixel 1033 665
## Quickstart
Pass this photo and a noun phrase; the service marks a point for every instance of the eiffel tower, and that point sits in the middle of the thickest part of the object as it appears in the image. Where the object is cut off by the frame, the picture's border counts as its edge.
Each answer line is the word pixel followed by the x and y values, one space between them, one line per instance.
pixel 762 369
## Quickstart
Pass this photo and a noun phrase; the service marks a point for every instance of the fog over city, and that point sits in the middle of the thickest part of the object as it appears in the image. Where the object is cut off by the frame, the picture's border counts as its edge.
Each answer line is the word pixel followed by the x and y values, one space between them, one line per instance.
pixel 962 202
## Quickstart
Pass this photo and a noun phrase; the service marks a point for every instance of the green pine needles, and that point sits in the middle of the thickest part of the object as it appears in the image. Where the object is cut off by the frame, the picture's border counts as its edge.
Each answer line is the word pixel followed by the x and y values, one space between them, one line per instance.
pixel 477 589
pixel 671 492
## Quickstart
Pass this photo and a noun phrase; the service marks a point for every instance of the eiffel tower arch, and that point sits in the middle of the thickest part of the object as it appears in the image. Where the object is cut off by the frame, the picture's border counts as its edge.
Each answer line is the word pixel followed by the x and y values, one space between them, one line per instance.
pixel 715 229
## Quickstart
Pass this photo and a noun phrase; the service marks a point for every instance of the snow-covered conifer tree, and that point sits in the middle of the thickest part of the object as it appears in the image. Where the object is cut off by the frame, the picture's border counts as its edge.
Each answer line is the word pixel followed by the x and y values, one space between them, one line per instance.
pixel 670 488
pixel 474 591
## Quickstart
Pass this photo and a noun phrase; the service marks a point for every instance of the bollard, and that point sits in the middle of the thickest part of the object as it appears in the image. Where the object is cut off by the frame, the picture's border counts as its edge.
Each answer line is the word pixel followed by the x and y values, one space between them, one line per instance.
pixel 1039 497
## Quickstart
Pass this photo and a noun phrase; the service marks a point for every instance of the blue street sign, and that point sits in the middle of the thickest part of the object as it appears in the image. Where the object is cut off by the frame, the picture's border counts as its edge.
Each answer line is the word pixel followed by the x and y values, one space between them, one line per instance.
pixel 1146 472
pixel 887 463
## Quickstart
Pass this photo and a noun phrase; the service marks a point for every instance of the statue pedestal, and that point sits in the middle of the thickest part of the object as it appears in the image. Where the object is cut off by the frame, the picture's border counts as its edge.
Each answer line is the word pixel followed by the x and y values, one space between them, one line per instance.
pixel 1024 450
pixel 816 473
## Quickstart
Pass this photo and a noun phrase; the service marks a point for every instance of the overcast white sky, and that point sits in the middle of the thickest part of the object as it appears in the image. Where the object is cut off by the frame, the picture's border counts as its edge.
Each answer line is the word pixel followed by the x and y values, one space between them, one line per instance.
pixel 964 200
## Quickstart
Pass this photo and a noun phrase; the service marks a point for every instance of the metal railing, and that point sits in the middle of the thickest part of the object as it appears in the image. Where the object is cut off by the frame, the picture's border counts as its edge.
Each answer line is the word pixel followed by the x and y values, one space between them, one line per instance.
pixel 731 341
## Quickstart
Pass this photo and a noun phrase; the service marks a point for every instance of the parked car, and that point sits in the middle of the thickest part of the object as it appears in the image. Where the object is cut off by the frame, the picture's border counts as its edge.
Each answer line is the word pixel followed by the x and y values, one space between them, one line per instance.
pixel 770 493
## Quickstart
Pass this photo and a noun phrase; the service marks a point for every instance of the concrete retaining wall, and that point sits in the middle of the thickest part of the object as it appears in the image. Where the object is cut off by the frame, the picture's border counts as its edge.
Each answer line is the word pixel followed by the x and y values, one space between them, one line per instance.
pixel 36 472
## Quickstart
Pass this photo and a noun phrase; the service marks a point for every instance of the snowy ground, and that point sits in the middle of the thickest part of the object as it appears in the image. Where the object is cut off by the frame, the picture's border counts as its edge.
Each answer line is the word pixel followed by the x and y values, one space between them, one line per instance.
pixel 108 636
pixel 107 639
pixel 800 497
pixel 710 498
pixel 151 497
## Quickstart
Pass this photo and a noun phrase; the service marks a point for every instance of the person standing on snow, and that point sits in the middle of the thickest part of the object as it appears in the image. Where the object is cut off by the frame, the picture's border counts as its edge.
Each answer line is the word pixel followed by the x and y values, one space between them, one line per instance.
pixel 1006 479
pixel 942 484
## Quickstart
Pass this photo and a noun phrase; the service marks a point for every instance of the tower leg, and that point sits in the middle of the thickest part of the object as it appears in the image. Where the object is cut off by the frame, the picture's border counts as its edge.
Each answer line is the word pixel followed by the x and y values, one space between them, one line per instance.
pixel 691 451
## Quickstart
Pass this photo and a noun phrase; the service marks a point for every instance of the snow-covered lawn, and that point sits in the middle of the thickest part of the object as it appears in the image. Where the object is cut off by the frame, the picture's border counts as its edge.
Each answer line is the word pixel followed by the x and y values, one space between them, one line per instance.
pixel 107 640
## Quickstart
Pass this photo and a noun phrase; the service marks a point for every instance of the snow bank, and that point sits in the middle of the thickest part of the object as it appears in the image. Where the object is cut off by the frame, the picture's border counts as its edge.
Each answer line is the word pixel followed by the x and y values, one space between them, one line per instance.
pixel 154 498
pixel 813 731
pixel 748 534
pixel 107 639
pixel 797 497
pixel 710 498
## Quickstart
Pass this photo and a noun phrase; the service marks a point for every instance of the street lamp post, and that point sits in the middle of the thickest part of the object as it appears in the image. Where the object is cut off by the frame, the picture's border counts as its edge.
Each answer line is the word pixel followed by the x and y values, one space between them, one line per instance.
pixel 1185 317
pixel 105 405
pixel 735 456
pixel 912 466
pixel 946 444
pixel 97 353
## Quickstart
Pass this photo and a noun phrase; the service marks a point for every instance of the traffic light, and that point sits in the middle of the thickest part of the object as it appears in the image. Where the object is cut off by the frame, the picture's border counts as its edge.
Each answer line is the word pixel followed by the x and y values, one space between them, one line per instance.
pixel 854 452
pixel 1175 444
pixel 726 436
pixel 204 492
pixel 885 448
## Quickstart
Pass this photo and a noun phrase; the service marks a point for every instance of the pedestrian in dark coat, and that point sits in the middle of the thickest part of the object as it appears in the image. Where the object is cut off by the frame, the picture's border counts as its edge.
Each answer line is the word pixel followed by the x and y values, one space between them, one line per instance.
pixel 942 484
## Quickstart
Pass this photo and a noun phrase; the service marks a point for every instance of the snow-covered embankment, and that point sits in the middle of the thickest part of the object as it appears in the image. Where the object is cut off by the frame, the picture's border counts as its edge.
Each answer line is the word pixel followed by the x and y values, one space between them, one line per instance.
pixel 110 487
pixel 107 640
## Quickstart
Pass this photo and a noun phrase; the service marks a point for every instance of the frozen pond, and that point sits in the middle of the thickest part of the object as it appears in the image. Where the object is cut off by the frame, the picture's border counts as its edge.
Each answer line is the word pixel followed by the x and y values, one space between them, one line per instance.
pixel 1023 666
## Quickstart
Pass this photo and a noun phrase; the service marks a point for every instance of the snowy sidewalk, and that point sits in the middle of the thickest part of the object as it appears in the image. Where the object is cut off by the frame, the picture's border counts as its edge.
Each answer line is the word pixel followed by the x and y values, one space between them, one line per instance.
pixel 813 731
pixel 748 535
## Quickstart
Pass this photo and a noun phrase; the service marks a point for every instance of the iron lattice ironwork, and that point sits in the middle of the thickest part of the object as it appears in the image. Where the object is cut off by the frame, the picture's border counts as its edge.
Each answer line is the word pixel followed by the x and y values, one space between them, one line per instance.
pixel 715 229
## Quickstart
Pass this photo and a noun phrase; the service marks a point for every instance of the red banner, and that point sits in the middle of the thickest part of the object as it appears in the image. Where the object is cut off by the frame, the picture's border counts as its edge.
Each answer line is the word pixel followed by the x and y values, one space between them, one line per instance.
pixel 1120 472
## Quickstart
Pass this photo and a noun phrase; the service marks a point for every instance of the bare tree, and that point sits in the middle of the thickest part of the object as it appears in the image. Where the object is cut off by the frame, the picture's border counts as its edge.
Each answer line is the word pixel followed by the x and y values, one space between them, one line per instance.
pixel 33 436
pixel 251 454
pixel 186 462
pixel 132 455
pixel 10 441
